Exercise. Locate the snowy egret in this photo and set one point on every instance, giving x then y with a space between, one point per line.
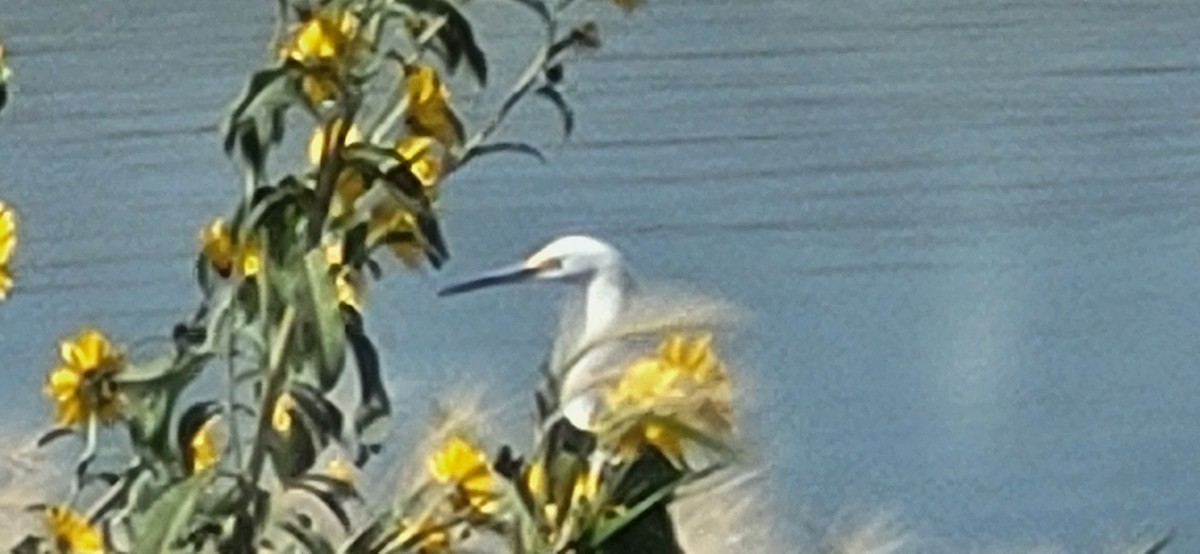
597 272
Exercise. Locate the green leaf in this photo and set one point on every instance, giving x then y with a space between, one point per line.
435 243
456 36
322 416
293 453
324 318
498 147
568 115
279 213
255 122
151 389
354 245
54 434
168 518
648 485
374 408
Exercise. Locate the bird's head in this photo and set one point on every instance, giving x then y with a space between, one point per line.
570 258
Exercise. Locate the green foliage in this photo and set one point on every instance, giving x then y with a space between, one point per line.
283 283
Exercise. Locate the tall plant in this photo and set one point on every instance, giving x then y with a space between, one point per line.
211 467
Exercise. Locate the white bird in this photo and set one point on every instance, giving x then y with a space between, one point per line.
603 291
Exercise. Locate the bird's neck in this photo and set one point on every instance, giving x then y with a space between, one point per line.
604 301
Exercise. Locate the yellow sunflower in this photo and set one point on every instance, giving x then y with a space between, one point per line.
218 247
329 42
459 464
685 384
70 532
8 243
84 385
429 111
390 216
424 154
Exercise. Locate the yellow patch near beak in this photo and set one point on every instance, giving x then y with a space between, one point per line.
543 264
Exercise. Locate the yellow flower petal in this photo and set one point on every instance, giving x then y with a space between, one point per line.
327 36
535 480
250 260
84 385
281 415
341 470
8 233
460 464
92 348
216 245
205 450
63 381
5 282
71 533
426 162
429 110
317 142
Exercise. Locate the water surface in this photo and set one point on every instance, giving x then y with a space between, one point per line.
965 231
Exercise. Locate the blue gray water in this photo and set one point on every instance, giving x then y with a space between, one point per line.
966 232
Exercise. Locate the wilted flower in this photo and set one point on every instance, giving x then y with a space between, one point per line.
85 386
684 386
205 451
459 464
330 42
8 243
70 532
218 247
429 110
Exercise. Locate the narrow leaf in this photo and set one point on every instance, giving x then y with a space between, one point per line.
53 435
165 520
568 115
325 319
498 147
374 407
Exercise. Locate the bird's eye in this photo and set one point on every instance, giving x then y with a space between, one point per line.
550 264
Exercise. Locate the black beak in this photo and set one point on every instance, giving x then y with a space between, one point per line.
497 277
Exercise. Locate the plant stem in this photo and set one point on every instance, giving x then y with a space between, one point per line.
526 81
276 377
235 437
